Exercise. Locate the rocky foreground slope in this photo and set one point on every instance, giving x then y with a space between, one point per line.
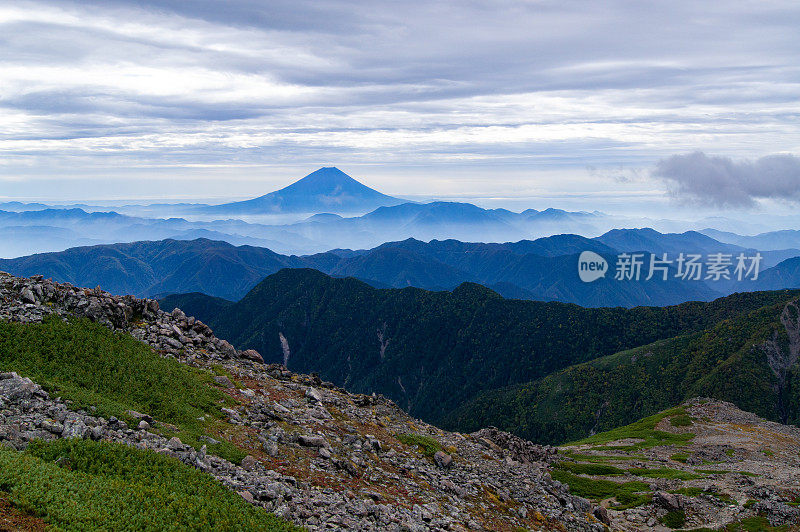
317 455
705 464
329 459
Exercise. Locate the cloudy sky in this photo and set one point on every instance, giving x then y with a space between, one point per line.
609 105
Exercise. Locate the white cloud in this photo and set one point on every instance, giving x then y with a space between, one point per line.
540 84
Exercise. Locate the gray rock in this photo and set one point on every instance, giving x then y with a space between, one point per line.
666 500
313 394
224 381
251 354
249 463
26 295
311 441
442 459
227 350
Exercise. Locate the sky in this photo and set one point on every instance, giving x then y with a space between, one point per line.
616 105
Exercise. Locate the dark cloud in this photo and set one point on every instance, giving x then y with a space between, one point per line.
723 182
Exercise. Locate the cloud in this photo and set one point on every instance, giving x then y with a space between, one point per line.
91 85
723 182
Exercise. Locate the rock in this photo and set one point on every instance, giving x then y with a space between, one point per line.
74 428
175 444
279 408
602 515
442 459
143 425
311 441
251 354
26 295
325 453
224 381
52 426
271 448
666 500
15 388
519 449
172 342
227 350
138 415
247 496
249 463
312 393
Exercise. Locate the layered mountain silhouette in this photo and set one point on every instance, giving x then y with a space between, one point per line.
543 269
327 190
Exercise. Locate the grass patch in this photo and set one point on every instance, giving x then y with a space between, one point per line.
680 457
86 485
716 471
427 445
643 430
627 494
681 420
690 491
751 524
92 366
674 519
693 491
590 469
595 458
664 472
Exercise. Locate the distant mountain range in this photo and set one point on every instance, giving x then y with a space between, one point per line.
436 220
543 269
449 356
787 238
329 209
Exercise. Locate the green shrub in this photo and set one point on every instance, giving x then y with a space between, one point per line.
755 524
674 519
590 469
664 472
86 485
628 494
682 420
90 365
427 445
644 430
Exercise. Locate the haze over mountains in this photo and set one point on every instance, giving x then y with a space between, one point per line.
327 209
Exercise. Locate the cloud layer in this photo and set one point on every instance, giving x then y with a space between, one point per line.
150 86
723 182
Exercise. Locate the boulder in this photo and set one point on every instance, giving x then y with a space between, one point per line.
442 459
311 441
251 354
666 500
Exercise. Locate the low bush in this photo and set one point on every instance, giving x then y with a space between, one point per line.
92 366
427 445
85 485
